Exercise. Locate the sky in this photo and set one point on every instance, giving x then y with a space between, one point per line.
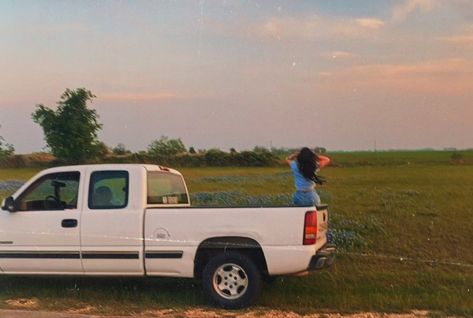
342 74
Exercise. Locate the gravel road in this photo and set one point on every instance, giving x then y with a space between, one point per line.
201 313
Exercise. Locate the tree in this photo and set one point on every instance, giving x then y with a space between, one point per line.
260 149
120 150
164 148
71 130
320 150
102 150
192 150
5 148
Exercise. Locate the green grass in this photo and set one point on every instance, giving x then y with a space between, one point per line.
413 224
17 174
406 157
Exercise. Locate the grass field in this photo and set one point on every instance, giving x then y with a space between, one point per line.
403 226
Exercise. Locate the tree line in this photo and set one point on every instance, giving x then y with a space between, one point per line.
71 135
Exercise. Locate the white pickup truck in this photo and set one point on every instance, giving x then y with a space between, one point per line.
136 220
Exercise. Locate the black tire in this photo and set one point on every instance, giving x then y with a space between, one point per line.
231 280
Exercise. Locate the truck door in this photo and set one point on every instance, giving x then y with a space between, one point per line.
42 236
112 223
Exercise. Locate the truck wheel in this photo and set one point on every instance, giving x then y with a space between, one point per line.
231 280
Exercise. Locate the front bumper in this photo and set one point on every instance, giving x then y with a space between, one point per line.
323 258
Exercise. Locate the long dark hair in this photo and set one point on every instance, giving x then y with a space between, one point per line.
308 163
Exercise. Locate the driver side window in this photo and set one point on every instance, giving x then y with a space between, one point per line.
55 191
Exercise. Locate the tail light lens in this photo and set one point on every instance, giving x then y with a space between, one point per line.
310 228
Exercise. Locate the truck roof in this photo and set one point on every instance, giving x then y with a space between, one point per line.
111 166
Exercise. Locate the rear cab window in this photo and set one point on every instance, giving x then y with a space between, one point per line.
166 188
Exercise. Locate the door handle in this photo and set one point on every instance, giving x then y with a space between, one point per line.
69 223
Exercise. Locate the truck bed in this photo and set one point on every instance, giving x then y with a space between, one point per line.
180 230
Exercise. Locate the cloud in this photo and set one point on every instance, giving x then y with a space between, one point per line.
338 55
462 8
461 39
465 38
325 74
402 11
50 29
447 77
314 27
370 23
136 97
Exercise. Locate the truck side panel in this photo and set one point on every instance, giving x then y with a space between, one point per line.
176 233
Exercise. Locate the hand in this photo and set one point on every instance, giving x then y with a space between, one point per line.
292 156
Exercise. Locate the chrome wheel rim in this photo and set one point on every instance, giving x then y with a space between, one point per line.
230 281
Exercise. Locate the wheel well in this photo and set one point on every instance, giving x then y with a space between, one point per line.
213 246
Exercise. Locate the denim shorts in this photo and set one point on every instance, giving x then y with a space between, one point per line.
305 198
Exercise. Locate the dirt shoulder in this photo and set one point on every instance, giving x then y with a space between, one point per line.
201 313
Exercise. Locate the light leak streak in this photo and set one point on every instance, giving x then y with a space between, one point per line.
195 243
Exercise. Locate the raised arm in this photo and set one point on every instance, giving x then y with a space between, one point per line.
291 157
323 161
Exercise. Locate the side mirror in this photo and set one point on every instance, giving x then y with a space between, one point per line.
9 205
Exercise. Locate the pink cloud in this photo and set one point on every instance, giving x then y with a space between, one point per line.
448 77
465 38
136 97
403 10
338 55
312 27
54 29
370 23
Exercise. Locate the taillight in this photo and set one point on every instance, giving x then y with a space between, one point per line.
310 228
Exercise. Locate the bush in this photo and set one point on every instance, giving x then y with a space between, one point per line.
189 160
217 157
254 159
120 150
210 158
34 160
457 158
